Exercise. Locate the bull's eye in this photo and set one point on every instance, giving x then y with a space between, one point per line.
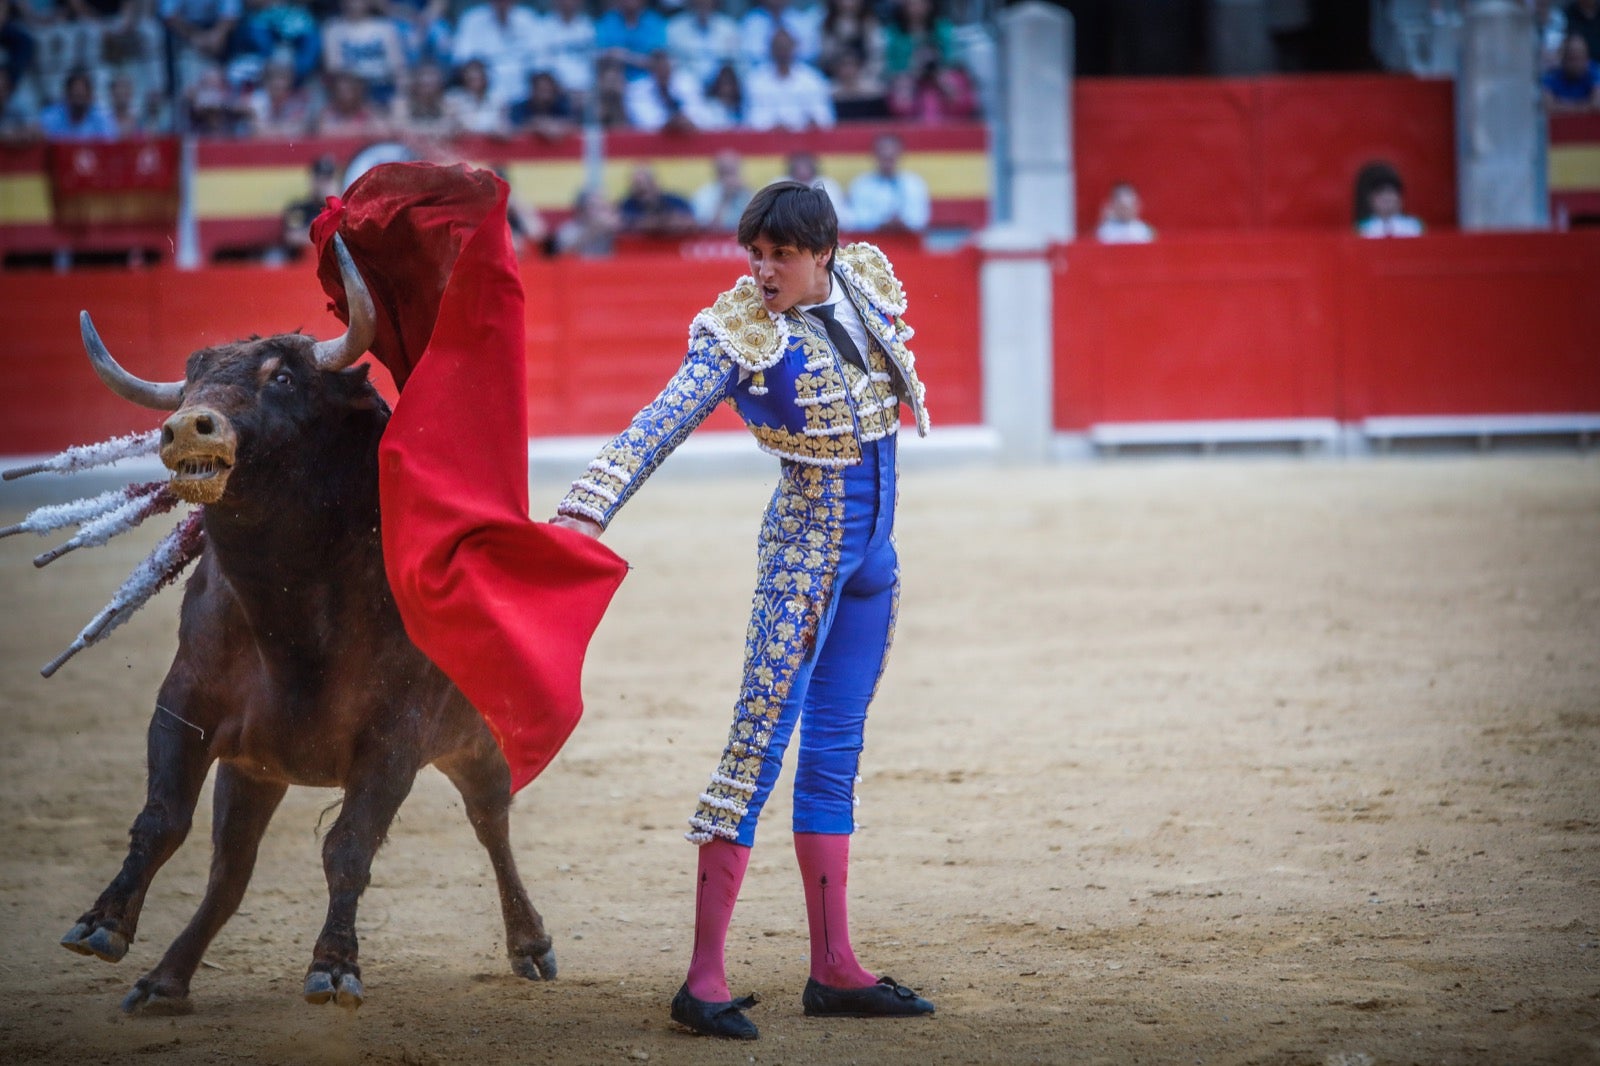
283 377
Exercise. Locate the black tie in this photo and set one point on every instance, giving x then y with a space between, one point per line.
839 335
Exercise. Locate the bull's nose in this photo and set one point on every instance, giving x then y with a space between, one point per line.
195 426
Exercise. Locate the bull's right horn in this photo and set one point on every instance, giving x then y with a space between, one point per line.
340 352
163 396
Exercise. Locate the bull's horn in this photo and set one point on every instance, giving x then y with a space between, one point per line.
163 396
342 351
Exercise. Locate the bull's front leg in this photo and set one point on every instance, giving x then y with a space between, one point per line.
371 798
481 774
178 757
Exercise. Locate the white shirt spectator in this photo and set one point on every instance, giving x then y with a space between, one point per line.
702 49
647 110
803 24
877 201
798 100
1133 231
568 50
508 51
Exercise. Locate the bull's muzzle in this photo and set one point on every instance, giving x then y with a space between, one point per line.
198 444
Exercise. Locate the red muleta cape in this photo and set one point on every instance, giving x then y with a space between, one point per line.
503 605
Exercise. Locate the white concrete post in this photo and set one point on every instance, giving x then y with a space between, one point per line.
1500 127
1034 141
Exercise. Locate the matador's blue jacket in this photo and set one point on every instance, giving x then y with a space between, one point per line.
799 399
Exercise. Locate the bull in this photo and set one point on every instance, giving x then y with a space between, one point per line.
293 667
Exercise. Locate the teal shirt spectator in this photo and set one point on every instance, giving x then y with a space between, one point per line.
632 42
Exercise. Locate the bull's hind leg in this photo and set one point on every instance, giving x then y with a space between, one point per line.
241 809
485 784
372 796
178 759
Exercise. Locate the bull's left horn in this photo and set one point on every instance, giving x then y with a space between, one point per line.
342 351
161 395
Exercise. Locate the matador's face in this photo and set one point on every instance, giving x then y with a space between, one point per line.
787 275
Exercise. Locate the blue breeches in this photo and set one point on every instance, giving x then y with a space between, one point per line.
820 630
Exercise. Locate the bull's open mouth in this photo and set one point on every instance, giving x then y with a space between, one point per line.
199 469
200 479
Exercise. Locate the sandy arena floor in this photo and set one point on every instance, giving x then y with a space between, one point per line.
1177 762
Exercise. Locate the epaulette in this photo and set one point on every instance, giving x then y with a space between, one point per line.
867 268
753 336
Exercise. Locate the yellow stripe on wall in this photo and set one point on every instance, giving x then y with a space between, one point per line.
24 200
1575 167
950 175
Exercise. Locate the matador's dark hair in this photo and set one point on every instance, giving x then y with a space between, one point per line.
790 212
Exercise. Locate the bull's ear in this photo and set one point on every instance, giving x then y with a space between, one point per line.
358 393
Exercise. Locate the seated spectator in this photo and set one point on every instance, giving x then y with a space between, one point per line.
631 33
916 34
802 166
761 21
667 99
198 32
278 109
857 96
610 94
1574 85
504 36
936 94
422 108
592 229
347 112
547 112
213 106
787 93
722 106
1549 30
1119 218
569 50
851 29
887 198
1382 211
134 117
702 39
77 117
280 31
651 211
424 27
295 236
471 107
1583 19
18 124
133 43
719 203
69 39
359 41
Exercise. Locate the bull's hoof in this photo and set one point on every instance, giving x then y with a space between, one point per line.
73 941
542 968
350 994
102 943
146 998
319 987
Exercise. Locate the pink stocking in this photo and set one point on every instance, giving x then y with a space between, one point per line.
722 866
824 862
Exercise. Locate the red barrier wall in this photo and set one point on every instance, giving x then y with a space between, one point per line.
603 336
1326 326
1261 153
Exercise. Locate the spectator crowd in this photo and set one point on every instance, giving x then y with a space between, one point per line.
283 69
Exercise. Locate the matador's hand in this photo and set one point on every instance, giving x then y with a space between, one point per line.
587 527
